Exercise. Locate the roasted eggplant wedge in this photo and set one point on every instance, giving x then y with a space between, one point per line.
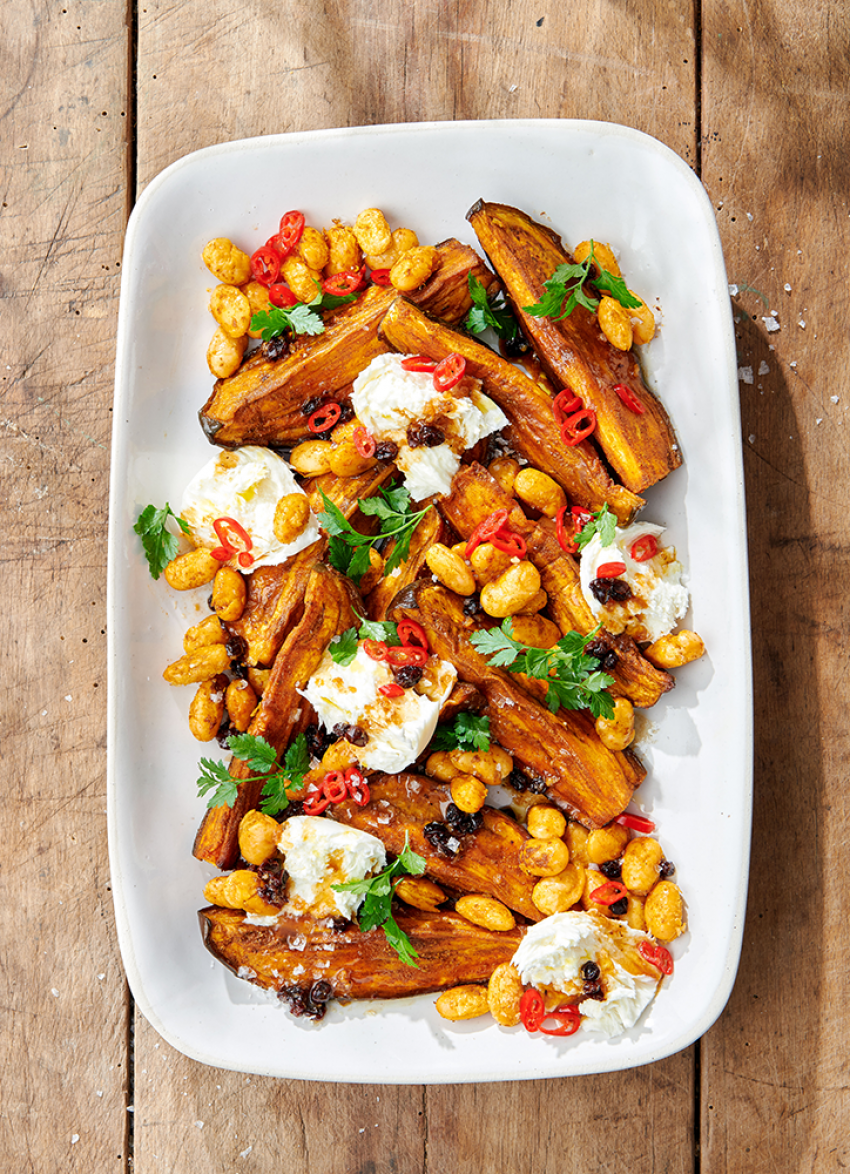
593 784
640 447
577 469
329 605
275 594
484 861
476 494
356 965
261 403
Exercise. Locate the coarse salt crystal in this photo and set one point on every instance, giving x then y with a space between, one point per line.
745 374
749 216
787 287
75 1137
834 399
763 368
770 323
802 323
752 438
733 291
819 420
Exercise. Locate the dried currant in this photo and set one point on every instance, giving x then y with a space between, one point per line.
422 435
605 590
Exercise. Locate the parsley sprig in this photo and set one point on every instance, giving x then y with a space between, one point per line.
573 679
343 648
565 291
159 544
492 312
466 732
260 756
603 523
377 892
349 549
302 318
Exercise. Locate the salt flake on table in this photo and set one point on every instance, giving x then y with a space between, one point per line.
787 287
763 368
793 363
752 438
733 291
819 420
245 1153
802 323
199 1124
54 992
745 374
770 323
834 399
75 1137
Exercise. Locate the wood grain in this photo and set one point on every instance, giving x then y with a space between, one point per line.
775 1093
764 87
63 160
343 66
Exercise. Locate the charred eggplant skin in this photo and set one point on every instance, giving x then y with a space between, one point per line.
641 448
589 781
533 429
330 602
357 965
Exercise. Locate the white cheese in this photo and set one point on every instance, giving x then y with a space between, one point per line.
318 854
245 485
387 398
399 728
659 598
553 952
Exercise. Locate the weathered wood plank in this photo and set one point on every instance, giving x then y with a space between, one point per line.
775 1093
63 172
344 65
350 64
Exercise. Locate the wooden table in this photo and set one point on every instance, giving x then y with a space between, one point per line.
97 98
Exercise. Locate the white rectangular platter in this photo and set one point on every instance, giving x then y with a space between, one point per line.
585 179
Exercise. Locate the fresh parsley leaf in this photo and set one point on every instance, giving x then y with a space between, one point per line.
359 564
216 777
565 290
392 508
617 288
573 679
258 755
343 648
493 313
379 630
300 318
377 892
159 544
254 751
603 523
399 941
339 554
466 732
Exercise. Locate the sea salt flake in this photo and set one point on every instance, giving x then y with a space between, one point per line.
745 374
749 216
802 323
245 1153
770 323
793 364
54 992
733 291
833 399
199 1124
819 420
763 368
752 438
787 287
75 1137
